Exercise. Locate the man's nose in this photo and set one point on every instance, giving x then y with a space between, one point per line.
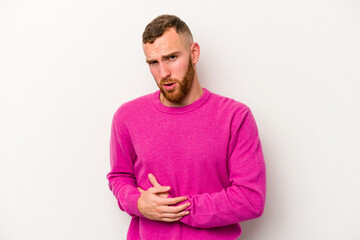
164 71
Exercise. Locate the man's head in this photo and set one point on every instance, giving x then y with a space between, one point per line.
171 55
161 24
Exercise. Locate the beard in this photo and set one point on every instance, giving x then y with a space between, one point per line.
177 94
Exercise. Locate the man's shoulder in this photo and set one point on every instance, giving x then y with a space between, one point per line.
231 110
228 103
135 106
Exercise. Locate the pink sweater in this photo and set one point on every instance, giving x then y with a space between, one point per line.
209 151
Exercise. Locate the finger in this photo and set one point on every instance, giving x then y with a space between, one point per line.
175 215
163 195
153 180
170 219
172 201
140 190
162 189
175 209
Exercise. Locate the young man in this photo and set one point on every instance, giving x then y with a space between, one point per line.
186 163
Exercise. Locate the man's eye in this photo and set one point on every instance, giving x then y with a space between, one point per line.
170 58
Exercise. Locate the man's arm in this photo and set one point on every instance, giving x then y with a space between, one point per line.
123 184
122 181
244 199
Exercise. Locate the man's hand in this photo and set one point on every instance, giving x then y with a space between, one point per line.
155 183
154 204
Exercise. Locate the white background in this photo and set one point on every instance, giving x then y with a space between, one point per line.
66 66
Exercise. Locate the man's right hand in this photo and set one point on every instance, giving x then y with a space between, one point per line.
157 208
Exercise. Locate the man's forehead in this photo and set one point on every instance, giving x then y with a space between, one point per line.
168 43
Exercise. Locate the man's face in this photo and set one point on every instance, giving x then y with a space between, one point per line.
170 64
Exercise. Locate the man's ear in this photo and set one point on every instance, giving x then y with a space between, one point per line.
195 52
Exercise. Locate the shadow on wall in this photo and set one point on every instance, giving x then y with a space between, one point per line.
250 230
254 229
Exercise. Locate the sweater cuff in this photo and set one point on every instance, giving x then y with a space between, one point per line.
132 207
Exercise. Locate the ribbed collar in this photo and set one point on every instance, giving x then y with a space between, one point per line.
180 110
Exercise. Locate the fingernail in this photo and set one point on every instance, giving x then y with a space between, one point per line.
188 204
150 175
187 212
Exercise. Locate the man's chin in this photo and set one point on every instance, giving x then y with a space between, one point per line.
173 96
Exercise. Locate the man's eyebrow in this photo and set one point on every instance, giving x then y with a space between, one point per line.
171 54
148 61
165 56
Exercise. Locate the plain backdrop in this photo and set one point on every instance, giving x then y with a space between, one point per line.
66 66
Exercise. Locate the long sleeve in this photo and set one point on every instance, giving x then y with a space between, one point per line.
244 199
122 181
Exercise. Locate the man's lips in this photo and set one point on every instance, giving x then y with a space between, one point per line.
169 86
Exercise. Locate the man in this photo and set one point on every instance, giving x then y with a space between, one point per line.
186 163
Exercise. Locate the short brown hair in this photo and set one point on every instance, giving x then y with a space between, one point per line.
162 23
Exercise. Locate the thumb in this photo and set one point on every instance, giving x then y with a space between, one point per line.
153 180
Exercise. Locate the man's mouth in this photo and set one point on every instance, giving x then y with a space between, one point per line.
169 84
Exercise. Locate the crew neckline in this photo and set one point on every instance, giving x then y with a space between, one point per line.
179 110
